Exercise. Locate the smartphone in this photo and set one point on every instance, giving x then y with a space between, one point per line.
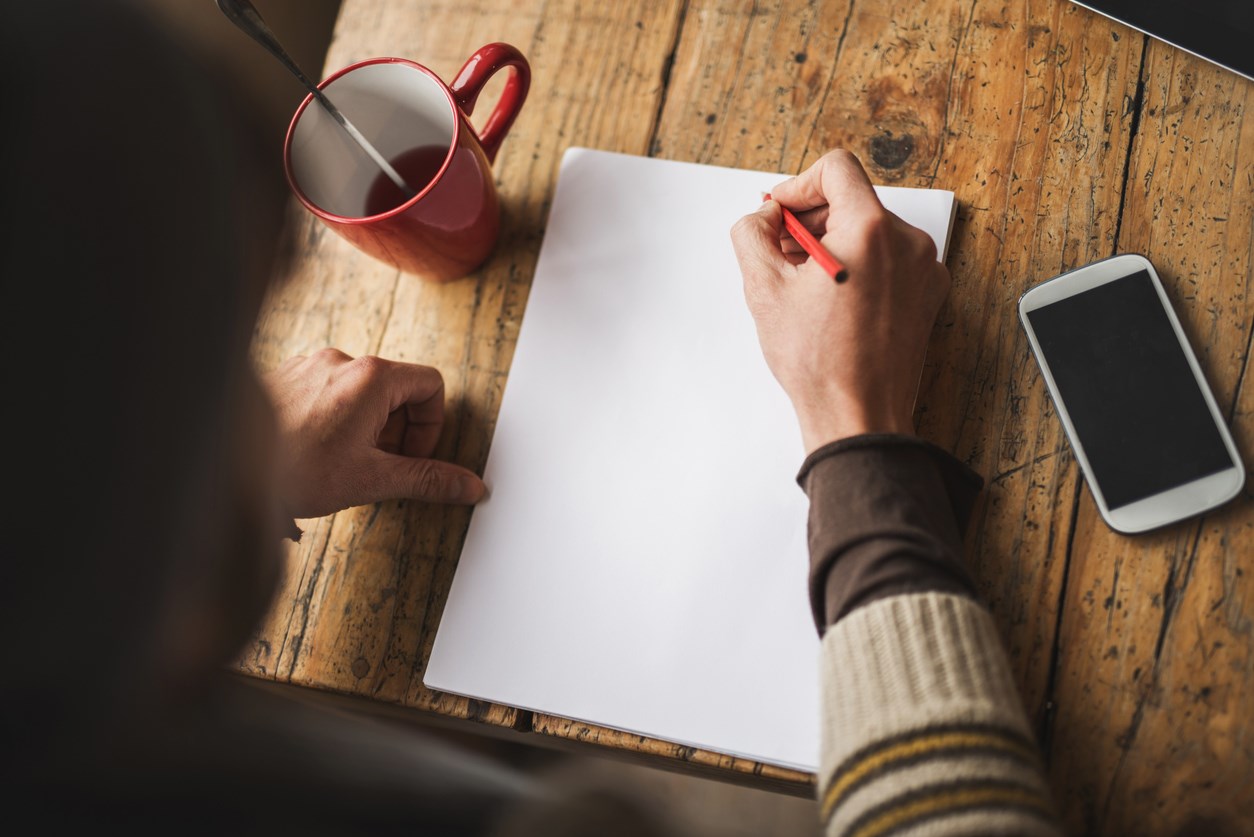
1144 425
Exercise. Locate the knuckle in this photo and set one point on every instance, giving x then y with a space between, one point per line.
427 379
364 373
369 367
837 158
331 355
435 376
877 228
874 238
926 246
429 482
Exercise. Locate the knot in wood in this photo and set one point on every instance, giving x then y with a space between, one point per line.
891 152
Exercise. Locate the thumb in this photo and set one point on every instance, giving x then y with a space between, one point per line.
430 480
756 240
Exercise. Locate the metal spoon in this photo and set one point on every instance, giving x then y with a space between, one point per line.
244 15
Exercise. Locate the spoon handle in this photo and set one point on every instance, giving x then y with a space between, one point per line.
244 15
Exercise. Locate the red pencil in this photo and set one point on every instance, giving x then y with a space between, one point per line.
830 264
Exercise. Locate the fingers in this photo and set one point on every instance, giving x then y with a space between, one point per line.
415 395
422 433
756 240
814 220
392 436
835 179
408 433
361 430
429 480
418 388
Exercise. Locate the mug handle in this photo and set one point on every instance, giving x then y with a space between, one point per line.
475 73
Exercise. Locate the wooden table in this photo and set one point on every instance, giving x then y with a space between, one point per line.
1066 137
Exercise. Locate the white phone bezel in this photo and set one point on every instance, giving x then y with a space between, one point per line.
1176 503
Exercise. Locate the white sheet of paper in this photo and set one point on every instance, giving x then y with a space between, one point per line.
641 561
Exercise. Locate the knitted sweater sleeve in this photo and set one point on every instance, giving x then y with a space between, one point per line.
923 729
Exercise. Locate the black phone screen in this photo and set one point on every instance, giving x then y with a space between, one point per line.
1218 30
1128 388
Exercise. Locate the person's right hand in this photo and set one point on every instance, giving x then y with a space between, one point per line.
849 355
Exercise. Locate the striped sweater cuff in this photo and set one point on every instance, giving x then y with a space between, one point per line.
923 728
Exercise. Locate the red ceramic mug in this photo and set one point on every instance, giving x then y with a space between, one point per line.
420 125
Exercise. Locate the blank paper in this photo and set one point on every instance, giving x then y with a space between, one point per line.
641 560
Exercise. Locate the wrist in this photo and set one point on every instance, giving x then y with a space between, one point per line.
826 423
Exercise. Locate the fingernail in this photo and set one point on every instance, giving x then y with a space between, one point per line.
471 489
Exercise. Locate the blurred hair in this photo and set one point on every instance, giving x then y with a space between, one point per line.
141 216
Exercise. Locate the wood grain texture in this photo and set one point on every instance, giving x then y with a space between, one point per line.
747 86
1066 137
678 756
1155 727
364 591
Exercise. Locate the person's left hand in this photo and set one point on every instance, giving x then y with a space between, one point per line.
356 431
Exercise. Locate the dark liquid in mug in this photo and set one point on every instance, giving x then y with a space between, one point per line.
417 167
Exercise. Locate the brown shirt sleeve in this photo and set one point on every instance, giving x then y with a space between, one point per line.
887 516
